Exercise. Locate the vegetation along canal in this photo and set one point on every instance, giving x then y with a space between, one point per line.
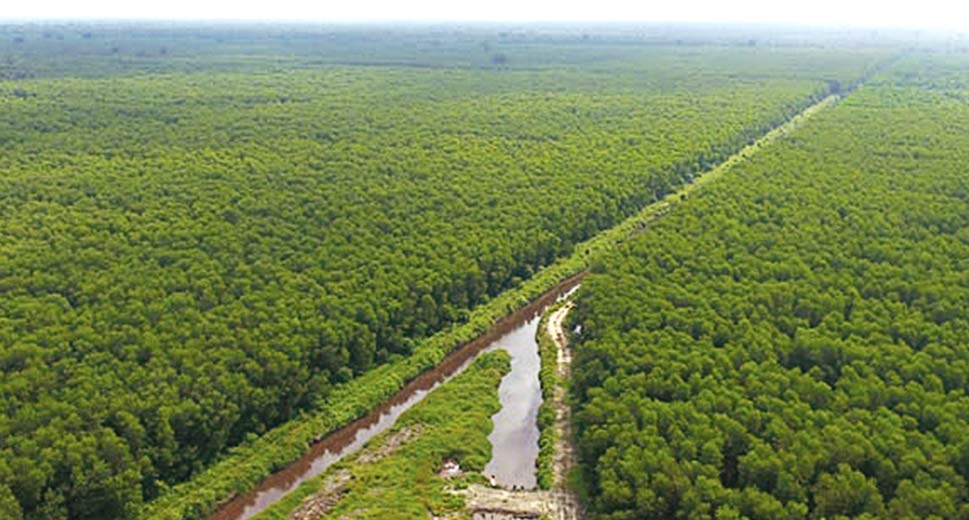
515 333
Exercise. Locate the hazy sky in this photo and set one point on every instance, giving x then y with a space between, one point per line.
927 13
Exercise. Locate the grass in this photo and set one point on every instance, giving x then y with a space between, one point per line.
453 422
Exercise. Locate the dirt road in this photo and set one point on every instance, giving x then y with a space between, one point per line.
564 459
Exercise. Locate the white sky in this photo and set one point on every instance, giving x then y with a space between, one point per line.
953 14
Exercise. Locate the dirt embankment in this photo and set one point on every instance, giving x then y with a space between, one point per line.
564 459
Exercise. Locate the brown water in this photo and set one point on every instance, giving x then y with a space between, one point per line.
352 437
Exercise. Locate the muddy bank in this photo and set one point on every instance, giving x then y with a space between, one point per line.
349 439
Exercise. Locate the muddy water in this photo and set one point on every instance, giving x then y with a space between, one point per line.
352 437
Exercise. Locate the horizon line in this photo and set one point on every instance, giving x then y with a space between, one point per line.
485 22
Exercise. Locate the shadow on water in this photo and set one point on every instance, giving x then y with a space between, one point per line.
347 440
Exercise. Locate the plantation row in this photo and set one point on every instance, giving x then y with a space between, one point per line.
189 260
793 343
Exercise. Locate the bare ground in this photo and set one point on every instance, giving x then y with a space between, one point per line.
486 503
389 445
335 485
321 502
564 459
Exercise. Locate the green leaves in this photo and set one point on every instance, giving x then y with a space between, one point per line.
790 332
227 239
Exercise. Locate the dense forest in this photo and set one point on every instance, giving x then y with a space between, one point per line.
200 237
794 343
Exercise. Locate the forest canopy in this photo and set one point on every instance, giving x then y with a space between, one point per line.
793 342
203 230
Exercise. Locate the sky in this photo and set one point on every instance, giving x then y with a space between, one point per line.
951 14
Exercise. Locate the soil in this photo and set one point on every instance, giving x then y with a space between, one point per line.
320 503
564 458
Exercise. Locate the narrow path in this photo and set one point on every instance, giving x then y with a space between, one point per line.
567 506
564 458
